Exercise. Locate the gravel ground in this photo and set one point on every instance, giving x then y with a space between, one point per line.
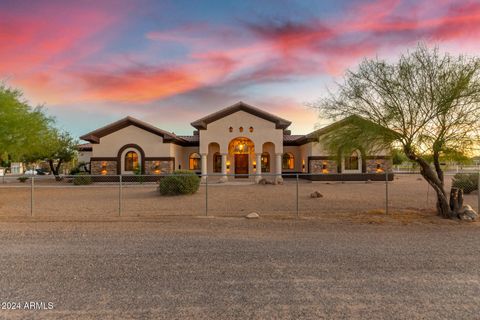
232 268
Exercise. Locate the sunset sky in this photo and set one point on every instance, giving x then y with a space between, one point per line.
171 62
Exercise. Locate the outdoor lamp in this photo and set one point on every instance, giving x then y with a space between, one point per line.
254 165
104 168
228 165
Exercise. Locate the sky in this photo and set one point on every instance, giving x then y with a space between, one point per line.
172 62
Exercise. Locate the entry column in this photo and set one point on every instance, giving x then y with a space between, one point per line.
204 167
258 164
278 168
224 177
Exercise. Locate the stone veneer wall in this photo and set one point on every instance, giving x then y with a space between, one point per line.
371 164
96 167
317 165
166 166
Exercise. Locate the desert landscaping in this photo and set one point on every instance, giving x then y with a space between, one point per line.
408 193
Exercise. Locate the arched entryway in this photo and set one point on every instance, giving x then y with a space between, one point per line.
241 151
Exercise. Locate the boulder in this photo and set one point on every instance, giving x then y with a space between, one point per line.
467 214
262 181
252 215
316 194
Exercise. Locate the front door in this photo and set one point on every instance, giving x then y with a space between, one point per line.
241 164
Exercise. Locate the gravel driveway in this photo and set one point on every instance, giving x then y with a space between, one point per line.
231 268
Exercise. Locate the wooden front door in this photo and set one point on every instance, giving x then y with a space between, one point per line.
241 164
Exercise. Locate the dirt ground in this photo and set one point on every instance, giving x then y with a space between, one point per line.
234 268
407 193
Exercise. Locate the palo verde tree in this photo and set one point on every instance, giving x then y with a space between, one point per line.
427 103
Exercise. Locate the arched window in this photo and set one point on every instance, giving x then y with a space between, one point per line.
250 129
352 162
240 129
230 129
288 161
131 161
265 162
217 162
194 161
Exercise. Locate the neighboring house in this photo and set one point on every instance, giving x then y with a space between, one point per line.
240 139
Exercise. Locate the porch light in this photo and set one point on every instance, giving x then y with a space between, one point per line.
157 168
228 165
324 168
104 168
303 165
379 168
254 165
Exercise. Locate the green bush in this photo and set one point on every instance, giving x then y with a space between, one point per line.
82 179
466 181
74 171
22 179
180 182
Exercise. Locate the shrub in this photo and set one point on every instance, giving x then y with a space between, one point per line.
180 182
82 179
466 181
74 171
22 179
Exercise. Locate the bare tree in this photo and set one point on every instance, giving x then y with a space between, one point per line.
427 103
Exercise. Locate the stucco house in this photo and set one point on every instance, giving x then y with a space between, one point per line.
240 139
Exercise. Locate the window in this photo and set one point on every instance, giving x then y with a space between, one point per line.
288 161
265 162
352 162
217 162
194 161
230 129
240 129
131 161
250 129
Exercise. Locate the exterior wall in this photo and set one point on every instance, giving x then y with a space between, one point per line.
297 154
165 166
371 164
96 167
84 156
316 166
263 131
151 143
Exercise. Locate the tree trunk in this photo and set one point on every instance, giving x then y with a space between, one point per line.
431 176
55 168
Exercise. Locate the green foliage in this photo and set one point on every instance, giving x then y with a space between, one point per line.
138 173
82 179
21 126
398 156
466 181
180 182
23 179
74 171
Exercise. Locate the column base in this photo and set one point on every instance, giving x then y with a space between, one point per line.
278 180
203 180
223 179
258 178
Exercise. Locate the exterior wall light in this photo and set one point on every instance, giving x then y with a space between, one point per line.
104 168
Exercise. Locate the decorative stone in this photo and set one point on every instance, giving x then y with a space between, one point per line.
252 215
316 194
467 214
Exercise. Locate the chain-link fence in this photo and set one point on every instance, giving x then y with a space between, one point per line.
84 196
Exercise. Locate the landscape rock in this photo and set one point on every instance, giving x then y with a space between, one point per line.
467 214
252 215
316 194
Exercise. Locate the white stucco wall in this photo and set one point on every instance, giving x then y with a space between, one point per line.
263 131
151 144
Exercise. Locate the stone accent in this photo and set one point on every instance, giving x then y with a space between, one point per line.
165 166
316 166
371 165
96 167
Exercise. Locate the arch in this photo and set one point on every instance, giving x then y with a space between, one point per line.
194 161
268 151
266 164
352 162
241 145
241 152
120 158
288 161
217 162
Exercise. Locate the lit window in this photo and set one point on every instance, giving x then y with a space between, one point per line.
352 162
288 161
241 129
194 161
217 162
250 129
265 162
131 161
230 129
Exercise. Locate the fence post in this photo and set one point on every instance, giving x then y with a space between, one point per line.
120 195
478 193
32 186
298 213
386 191
206 195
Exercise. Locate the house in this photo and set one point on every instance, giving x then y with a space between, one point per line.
240 139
